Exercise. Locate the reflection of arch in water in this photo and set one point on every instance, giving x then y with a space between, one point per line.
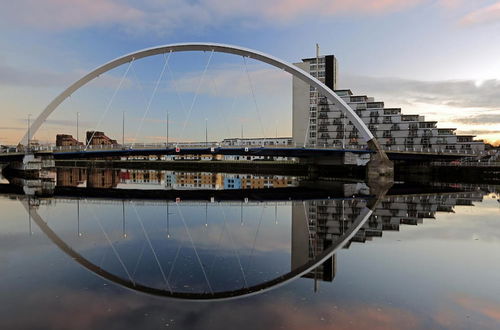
223 295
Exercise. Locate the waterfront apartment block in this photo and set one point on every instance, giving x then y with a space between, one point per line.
316 122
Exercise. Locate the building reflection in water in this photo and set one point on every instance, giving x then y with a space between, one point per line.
91 178
329 219
112 178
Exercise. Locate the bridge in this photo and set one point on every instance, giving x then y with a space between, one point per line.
380 163
289 151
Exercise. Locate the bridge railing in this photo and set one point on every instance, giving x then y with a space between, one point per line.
141 146
201 145
467 164
437 150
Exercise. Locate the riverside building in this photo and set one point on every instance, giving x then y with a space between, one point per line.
318 123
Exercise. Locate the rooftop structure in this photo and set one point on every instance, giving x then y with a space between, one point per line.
64 140
99 138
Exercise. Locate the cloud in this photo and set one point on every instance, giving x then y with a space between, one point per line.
7 128
165 17
233 82
477 132
486 119
63 14
453 93
484 15
10 76
485 313
58 307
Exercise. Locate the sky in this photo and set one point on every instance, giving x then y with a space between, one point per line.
439 58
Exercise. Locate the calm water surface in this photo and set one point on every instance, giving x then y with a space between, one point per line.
420 260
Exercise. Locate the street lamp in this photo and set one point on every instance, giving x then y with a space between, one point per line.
206 131
29 132
123 129
167 129
77 126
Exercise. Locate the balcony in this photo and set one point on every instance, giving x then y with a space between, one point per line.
395 127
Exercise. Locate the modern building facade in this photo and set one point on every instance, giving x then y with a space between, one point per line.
316 122
305 98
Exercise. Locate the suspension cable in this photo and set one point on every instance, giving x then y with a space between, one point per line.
112 246
250 259
109 103
139 259
176 87
224 119
233 246
255 100
150 101
193 102
152 248
194 248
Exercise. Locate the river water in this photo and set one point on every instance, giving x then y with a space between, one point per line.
154 249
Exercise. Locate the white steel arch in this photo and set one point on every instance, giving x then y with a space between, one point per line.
219 48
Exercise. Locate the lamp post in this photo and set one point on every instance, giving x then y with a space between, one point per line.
29 133
206 132
124 232
167 128
77 126
123 129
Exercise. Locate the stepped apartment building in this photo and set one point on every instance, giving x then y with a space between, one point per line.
318 123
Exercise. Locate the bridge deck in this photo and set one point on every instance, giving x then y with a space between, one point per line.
294 152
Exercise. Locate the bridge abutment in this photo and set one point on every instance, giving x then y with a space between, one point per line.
379 165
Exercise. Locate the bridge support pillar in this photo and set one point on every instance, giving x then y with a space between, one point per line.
379 165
